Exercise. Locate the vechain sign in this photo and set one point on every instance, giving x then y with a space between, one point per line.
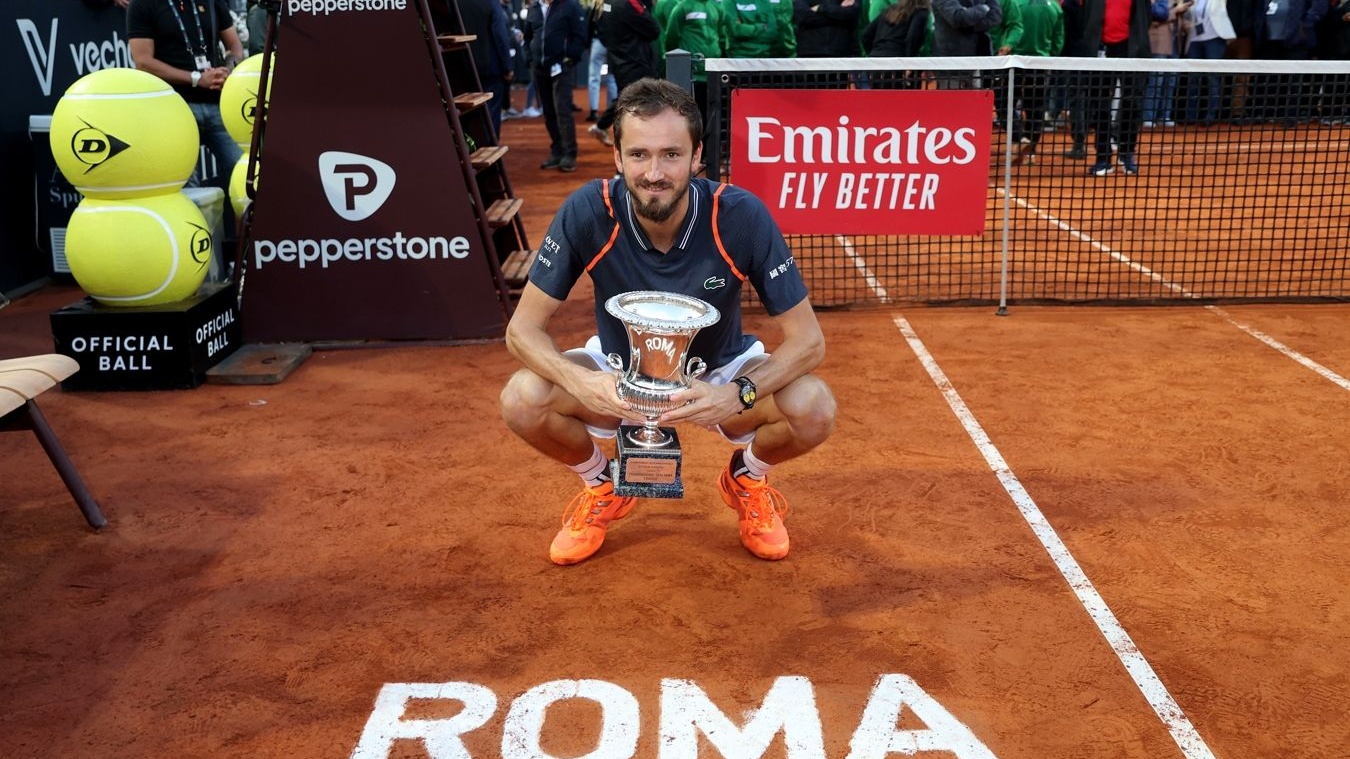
865 162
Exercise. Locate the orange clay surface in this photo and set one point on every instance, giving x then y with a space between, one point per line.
278 556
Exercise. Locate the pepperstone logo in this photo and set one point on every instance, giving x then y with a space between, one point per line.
355 185
325 7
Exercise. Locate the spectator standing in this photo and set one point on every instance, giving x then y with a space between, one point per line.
785 44
754 28
179 42
961 28
491 48
1164 43
1082 39
598 76
1124 34
556 34
702 28
629 31
825 28
1208 32
1043 36
898 32
1002 39
1286 31
1335 40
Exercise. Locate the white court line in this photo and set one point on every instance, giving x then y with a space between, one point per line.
861 265
1141 672
1322 371
1282 348
1115 254
1173 718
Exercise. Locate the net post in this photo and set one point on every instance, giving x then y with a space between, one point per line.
680 69
1010 108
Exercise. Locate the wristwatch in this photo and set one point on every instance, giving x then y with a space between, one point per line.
195 76
747 393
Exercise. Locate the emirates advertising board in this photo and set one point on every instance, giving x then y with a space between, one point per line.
882 162
363 225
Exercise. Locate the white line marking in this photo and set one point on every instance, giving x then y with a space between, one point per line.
1117 255
861 265
1322 371
1173 718
1282 348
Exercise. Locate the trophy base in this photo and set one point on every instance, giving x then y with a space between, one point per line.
645 471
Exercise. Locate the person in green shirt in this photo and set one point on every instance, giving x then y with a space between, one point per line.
1002 39
701 27
1042 35
785 46
755 29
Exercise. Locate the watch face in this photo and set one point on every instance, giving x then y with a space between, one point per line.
747 394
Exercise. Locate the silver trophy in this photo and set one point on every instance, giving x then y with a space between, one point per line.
660 326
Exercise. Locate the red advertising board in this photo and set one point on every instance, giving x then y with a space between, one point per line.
886 162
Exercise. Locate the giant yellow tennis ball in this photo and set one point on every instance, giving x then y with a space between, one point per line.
139 252
239 199
123 133
239 102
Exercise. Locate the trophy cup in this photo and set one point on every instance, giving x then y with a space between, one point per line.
660 328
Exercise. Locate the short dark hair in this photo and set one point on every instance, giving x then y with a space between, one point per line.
647 97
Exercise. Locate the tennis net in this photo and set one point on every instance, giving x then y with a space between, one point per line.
1222 181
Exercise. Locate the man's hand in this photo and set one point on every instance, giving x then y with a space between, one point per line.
213 79
706 405
599 392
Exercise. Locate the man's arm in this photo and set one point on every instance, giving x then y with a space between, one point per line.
143 55
528 340
801 350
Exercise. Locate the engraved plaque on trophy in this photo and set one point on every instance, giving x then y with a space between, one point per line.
660 326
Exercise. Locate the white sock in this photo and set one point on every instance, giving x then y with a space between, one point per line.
754 468
595 470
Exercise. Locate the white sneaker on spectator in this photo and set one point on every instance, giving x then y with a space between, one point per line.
531 113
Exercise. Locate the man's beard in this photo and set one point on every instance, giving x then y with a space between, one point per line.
654 209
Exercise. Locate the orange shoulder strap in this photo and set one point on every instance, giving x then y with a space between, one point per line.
614 234
717 234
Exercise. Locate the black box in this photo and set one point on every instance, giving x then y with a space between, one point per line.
151 347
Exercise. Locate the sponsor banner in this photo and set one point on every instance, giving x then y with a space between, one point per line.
363 225
886 162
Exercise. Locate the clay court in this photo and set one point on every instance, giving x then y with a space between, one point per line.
1065 533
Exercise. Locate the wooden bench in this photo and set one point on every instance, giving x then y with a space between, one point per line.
22 380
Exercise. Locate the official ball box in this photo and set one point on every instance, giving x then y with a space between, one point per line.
163 347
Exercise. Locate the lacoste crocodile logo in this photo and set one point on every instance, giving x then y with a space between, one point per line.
713 283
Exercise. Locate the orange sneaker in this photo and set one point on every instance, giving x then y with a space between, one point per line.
585 521
762 509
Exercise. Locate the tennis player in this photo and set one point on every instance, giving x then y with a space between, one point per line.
660 228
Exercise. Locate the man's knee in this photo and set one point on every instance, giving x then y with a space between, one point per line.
810 408
524 399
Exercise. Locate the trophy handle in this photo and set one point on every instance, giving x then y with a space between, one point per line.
615 361
696 367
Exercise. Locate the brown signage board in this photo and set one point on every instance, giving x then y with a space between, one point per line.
363 224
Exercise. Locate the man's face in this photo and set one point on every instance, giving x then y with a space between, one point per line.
657 158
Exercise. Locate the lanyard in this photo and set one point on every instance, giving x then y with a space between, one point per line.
201 38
